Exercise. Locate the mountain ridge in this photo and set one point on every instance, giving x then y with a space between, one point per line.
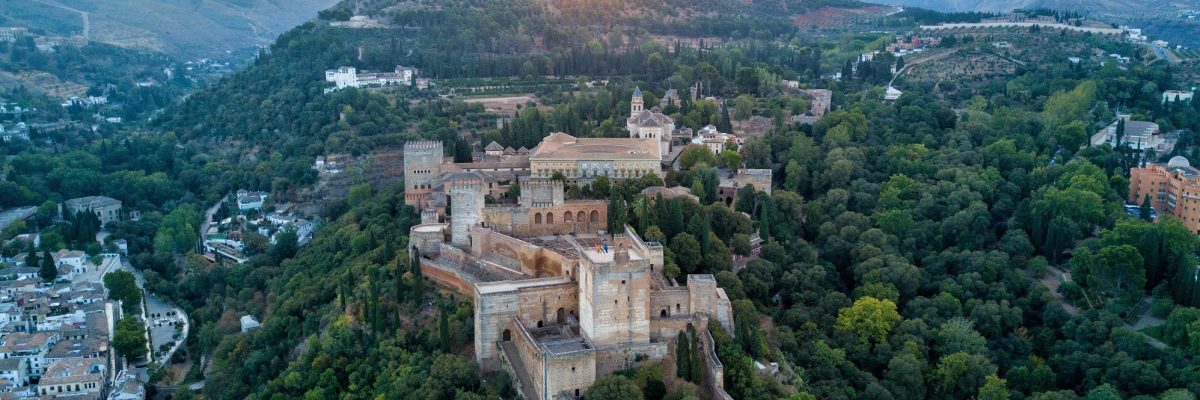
185 28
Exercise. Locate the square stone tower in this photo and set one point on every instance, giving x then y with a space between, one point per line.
422 169
466 205
614 295
541 193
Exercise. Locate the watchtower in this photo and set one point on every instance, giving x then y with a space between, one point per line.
541 193
422 168
466 205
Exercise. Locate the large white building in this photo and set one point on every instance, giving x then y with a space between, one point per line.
1172 96
1138 135
715 141
345 77
649 124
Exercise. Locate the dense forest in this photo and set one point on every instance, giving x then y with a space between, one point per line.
907 244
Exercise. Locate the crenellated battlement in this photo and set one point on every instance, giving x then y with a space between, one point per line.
422 144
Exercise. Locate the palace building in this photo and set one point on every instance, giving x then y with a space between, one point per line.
589 158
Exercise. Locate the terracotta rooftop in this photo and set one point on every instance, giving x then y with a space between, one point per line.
561 146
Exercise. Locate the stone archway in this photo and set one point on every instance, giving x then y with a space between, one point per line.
537 218
561 316
550 218
506 336
595 217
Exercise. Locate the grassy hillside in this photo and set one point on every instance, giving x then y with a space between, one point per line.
186 28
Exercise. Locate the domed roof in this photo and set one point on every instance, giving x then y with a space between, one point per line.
1179 161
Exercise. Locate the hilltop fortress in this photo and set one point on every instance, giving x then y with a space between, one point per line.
560 297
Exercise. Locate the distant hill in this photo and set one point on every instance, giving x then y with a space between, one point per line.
185 28
1159 19
1009 5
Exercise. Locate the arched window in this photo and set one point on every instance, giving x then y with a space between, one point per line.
537 218
595 218
568 217
549 218
579 216
662 313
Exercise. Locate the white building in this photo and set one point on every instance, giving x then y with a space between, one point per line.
30 346
715 141
1172 96
249 323
345 77
14 373
85 102
1138 135
892 94
248 201
10 34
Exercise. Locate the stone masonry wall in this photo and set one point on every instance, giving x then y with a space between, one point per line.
611 359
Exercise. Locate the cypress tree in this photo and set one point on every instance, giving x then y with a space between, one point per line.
1144 211
31 258
673 223
402 264
418 278
683 357
697 367
764 221
444 329
48 272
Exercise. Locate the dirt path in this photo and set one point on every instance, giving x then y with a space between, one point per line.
1052 281
87 23
1054 278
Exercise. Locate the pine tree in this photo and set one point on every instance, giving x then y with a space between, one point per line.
48 272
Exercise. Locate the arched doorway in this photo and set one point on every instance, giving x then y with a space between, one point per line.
549 218
662 313
561 316
568 218
506 336
537 218
539 323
